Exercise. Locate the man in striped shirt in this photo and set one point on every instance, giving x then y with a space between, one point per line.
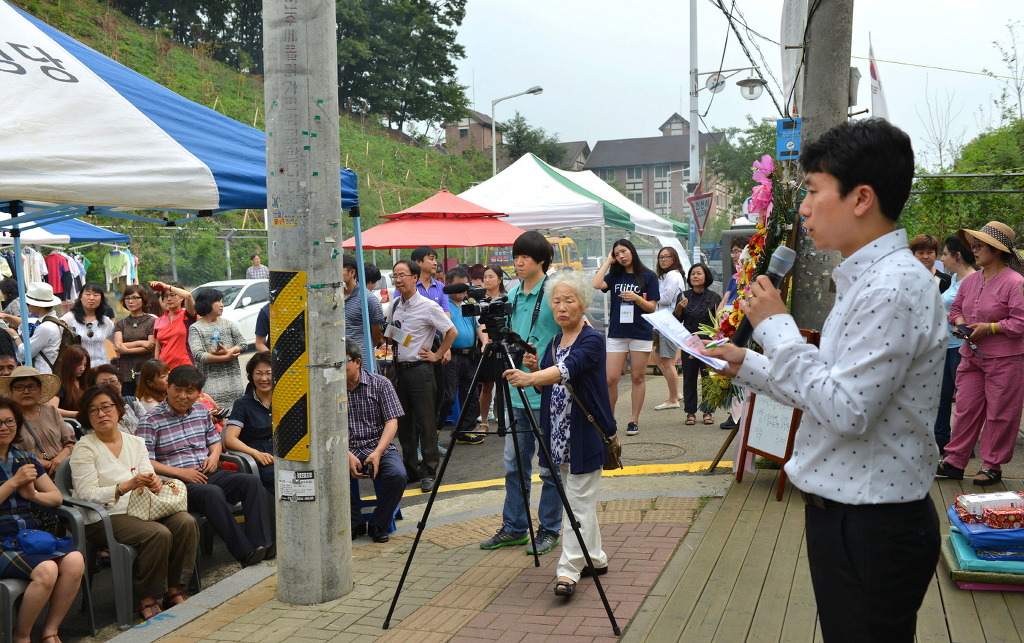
184 444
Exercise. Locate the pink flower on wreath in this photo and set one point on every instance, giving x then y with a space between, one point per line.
761 201
763 168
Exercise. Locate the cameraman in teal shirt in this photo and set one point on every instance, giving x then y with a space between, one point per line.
532 320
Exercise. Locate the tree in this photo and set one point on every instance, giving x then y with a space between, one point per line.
941 213
396 59
732 158
519 138
1011 102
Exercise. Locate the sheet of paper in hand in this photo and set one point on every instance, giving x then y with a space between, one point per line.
672 328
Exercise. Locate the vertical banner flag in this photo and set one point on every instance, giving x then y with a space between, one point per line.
878 107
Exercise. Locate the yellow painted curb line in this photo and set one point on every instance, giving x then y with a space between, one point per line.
643 469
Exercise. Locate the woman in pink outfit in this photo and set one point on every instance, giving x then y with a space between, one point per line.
990 303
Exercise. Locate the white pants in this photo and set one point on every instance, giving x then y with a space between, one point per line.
581 490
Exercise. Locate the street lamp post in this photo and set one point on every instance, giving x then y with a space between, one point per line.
536 89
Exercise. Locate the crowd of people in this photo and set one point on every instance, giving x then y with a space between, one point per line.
175 398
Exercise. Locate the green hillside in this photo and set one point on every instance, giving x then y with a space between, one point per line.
392 175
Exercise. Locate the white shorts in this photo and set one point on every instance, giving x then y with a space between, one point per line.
625 345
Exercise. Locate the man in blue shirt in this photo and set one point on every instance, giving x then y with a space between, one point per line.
532 320
459 372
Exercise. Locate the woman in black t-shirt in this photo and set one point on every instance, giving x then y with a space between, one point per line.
250 427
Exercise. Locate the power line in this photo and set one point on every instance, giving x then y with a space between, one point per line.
721 63
743 20
959 71
746 51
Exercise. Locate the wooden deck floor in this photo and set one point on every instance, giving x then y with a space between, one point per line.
741 575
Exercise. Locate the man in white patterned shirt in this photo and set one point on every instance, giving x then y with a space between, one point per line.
864 457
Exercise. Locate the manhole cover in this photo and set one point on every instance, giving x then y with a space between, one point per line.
651 451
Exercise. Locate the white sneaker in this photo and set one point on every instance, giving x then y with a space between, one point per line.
667 405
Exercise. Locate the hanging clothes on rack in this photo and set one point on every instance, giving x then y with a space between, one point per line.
57 267
116 270
33 265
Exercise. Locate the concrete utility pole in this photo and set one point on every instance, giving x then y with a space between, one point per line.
307 311
826 96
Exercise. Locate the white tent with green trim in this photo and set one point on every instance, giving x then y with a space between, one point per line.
536 196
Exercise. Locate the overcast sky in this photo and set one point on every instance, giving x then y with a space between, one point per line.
618 69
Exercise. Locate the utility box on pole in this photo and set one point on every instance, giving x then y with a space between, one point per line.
307 308
826 93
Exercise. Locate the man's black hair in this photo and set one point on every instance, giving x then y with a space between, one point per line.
254 255
535 246
205 299
186 376
348 262
372 273
739 242
870 152
414 268
352 349
419 254
4 356
456 273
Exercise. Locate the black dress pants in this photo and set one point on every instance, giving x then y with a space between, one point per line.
418 427
871 566
215 499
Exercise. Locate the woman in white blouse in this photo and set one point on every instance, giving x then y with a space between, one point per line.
107 466
670 273
88 318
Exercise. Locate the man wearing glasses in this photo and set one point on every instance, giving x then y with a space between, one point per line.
417 320
532 320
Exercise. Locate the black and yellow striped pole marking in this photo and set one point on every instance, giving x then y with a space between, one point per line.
288 303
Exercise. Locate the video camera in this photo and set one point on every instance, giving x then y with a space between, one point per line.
493 313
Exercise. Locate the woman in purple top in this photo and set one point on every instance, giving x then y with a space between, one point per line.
989 395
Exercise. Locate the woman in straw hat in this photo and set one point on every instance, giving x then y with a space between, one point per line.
44 432
989 395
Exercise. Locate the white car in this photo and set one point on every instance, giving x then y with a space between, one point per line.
243 299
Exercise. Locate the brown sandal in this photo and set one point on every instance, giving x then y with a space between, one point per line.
709 419
169 599
155 610
691 419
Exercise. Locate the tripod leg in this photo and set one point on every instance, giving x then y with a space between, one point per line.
569 514
514 435
421 525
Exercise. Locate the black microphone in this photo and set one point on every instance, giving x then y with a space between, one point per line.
779 266
455 289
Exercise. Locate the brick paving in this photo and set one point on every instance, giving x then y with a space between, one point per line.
457 592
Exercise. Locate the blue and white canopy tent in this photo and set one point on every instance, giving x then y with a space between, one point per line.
85 132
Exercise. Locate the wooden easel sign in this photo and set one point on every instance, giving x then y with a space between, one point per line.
771 428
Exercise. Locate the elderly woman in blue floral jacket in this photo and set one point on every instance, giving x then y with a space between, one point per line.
575 359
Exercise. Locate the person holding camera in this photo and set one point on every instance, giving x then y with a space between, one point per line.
532 320
458 373
417 320
373 412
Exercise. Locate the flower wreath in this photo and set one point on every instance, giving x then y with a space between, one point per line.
772 201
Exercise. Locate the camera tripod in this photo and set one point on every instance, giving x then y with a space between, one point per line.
499 349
